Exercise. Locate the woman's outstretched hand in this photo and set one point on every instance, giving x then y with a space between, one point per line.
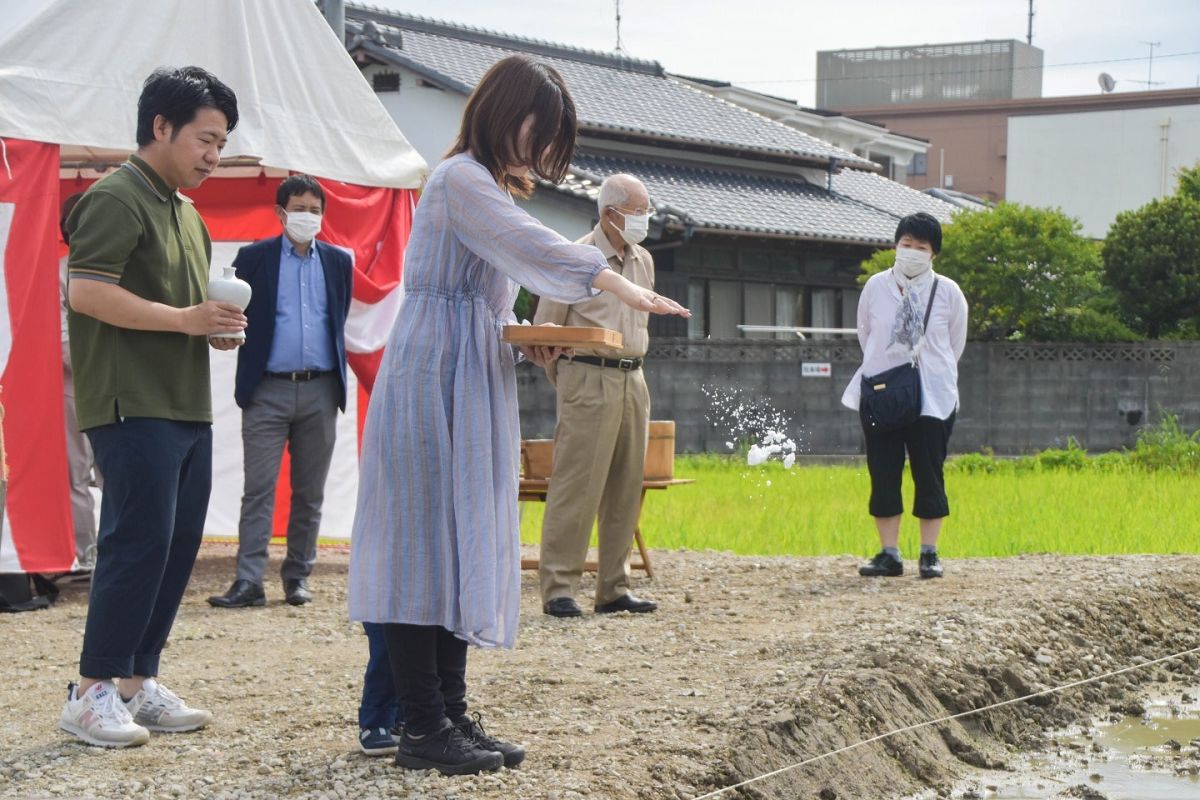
637 297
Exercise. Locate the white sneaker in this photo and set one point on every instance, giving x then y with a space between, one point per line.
157 708
100 718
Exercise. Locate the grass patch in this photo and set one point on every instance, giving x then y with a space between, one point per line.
1062 501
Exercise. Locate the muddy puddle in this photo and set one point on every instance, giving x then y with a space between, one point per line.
1152 757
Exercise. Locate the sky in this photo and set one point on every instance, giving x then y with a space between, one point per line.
770 45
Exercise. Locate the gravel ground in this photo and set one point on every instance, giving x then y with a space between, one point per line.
750 665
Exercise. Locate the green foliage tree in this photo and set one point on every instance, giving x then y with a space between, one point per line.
523 306
1189 182
1152 260
1027 273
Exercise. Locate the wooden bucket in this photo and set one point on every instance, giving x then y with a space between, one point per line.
537 457
660 451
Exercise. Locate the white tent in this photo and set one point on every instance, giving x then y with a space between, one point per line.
71 72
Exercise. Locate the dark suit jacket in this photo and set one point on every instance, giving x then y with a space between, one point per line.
258 265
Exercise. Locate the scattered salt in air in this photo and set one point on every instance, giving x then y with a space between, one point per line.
757 455
746 417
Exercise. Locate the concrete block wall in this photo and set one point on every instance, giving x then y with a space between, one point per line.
1015 398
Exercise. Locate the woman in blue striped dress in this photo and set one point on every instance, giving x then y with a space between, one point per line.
435 555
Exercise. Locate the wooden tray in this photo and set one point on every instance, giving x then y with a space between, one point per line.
562 336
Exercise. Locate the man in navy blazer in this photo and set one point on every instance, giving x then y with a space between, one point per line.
291 382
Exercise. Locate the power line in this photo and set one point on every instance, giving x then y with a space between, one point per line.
981 71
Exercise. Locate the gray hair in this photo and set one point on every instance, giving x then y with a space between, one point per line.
617 189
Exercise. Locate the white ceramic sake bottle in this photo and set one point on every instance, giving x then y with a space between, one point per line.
229 288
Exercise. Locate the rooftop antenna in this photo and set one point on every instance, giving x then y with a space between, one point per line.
620 47
1150 82
1107 82
1029 35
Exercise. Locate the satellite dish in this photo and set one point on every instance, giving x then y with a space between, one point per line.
1107 84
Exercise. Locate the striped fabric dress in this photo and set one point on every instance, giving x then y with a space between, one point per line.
435 536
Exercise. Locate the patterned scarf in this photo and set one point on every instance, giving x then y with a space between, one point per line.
908 329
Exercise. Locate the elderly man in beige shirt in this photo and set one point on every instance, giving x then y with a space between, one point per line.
603 416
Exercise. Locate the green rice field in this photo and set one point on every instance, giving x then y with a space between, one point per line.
822 510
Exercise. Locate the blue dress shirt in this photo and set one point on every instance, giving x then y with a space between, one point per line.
303 339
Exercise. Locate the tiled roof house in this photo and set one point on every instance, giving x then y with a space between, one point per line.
758 222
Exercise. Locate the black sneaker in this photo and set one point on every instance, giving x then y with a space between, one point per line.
472 728
883 565
930 567
448 751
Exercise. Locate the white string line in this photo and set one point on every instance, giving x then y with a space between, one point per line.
940 720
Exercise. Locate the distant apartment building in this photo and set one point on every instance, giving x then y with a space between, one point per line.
928 73
1091 155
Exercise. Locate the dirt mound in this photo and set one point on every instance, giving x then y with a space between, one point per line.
751 665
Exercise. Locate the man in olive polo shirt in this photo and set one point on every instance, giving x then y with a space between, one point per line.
138 271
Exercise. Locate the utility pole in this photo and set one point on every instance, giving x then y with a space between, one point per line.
1029 35
620 48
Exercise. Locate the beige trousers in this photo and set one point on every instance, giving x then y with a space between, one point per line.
599 458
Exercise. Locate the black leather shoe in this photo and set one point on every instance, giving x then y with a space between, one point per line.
562 607
472 728
242 594
296 592
883 565
627 602
448 751
931 566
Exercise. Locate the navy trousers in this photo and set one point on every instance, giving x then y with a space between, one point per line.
157 478
380 708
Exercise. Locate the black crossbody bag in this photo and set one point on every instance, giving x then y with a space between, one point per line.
892 399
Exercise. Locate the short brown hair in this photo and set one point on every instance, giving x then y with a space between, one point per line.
512 89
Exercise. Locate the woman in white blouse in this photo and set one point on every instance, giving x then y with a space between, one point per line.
892 331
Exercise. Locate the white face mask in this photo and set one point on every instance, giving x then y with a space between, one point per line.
913 263
636 227
302 226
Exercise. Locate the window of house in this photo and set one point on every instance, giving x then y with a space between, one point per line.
696 304
821 267
720 259
689 257
885 162
724 309
850 308
789 309
919 165
759 305
785 263
385 81
824 310
758 261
